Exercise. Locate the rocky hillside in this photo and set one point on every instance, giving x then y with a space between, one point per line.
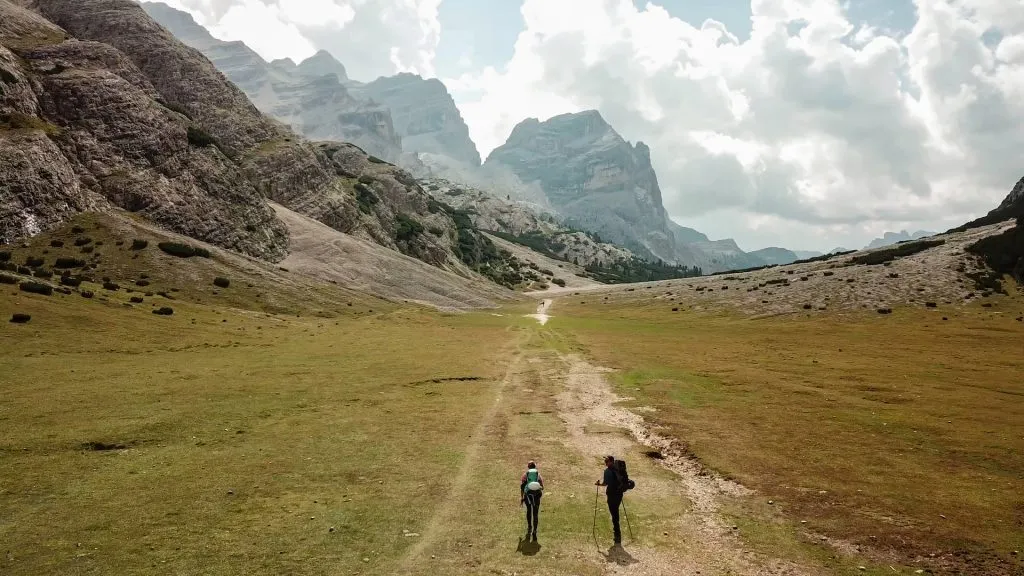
424 115
521 223
84 127
309 97
102 109
1004 253
594 178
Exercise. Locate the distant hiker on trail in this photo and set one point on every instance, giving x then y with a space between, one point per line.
614 491
531 488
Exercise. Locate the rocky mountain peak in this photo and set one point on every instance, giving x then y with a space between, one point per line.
322 64
180 23
594 178
284 64
424 114
1015 197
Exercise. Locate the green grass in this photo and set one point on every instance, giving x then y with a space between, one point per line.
311 423
261 415
16 121
911 426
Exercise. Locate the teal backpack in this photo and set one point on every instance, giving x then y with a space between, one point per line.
533 481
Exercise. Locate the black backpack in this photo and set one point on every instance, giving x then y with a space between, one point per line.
623 476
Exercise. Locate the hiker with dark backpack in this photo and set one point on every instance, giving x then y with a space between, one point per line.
531 488
616 481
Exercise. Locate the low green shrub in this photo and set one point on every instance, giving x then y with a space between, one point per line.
43 273
407 229
77 229
183 250
36 288
82 241
221 282
136 300
20 318
200 138
5 256
138 244
87 294
142 283
70 281
558 281
88 249
34 262
163 311
64 263
5 279
56 243
112 286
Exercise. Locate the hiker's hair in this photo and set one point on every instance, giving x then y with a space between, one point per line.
531 464
609 457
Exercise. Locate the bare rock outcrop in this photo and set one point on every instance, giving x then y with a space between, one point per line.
84 128
102 108
594 178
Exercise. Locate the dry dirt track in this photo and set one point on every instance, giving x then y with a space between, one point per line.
587 409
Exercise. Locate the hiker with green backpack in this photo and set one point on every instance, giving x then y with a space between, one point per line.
531 488
616 481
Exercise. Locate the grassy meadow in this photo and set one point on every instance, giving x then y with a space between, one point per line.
135 443
902 433
284 425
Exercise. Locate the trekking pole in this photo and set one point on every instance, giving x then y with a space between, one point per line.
597 495
626 514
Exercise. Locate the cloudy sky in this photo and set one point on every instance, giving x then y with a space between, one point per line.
808 124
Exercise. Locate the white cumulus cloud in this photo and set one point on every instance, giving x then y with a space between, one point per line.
815 130
371 37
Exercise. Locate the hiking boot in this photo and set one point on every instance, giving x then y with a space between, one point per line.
534 536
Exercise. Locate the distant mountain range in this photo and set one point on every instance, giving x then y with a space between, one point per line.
575 165
890 238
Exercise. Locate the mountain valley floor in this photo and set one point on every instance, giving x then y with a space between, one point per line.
222 440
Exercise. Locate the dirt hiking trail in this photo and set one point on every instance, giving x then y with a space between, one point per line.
574 420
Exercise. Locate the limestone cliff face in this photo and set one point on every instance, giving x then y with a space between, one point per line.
83 128
102 109
310 97
594 178
424 114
